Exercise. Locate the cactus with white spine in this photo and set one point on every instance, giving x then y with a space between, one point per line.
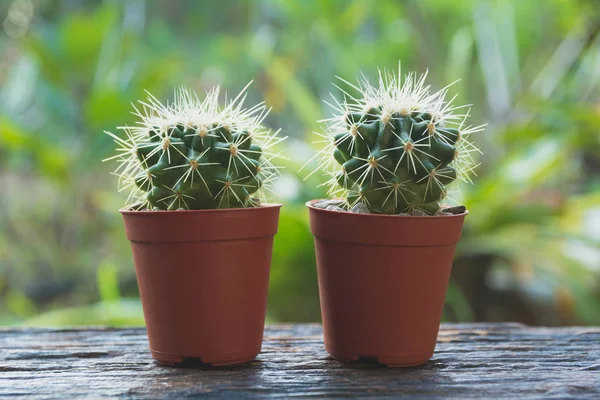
397 147
195 154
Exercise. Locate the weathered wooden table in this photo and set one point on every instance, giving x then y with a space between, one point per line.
471 360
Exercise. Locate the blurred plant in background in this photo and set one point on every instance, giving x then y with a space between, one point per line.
70 68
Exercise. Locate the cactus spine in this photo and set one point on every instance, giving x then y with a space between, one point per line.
398 147
195 154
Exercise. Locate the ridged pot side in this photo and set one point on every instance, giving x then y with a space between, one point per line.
203 277
382 283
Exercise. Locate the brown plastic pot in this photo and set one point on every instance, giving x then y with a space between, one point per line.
382 282
203 277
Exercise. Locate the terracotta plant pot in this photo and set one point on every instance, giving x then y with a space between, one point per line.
382 283
203 277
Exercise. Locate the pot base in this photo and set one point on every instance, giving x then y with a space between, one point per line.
390 360
215 360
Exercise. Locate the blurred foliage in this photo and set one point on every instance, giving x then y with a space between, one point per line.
69 70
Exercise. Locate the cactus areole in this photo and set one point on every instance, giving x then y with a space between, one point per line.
397 147
195 154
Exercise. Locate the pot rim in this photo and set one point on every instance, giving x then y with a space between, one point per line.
310 205
129 211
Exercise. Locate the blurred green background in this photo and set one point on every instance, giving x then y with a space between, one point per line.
70 68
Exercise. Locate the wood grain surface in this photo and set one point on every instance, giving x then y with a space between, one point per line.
471 361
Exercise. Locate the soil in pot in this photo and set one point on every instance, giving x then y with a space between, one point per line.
382 282
203 277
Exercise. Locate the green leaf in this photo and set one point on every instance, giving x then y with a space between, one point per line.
107 276
125 312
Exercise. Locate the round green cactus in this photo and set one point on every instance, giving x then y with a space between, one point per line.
195 154
398 147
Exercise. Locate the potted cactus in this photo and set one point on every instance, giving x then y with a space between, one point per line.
385 243
200 234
